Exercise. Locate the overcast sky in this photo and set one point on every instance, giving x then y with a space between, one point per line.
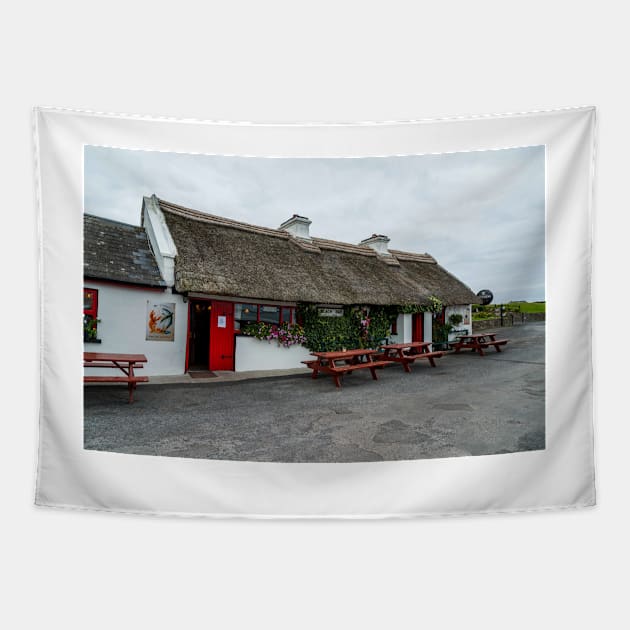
480 214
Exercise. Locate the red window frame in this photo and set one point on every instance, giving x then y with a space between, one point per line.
278 306
291 314
395 326
93 310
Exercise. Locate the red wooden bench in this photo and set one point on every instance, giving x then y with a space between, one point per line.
496 344
126 363
478 342
326 363
130 380
407 353
344 369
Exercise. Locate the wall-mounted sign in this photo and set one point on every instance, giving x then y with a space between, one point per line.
221 321
486 296
160 322
330 312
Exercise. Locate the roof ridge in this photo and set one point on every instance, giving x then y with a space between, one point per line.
213 218
88 215
314 244
402 255
328 243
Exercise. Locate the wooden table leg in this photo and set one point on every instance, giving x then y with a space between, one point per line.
406 364
131 384
337 377
372 369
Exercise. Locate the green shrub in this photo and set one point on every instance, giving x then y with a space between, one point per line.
359 327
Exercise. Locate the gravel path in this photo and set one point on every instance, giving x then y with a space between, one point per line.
467 405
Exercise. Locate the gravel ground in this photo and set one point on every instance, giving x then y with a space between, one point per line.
467 405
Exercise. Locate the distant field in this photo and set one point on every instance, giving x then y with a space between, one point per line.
527 307
492 310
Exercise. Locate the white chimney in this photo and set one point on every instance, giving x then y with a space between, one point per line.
297 226
378 242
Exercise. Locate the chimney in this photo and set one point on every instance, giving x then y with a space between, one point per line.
378 242
297 226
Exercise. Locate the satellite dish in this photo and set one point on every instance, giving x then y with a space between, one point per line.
486 296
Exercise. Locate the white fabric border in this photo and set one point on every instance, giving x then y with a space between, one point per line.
560 476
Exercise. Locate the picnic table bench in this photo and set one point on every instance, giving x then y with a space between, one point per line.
338 363
407 353
478 342
126 363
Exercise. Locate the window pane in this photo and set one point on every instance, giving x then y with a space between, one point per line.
88 300
286 314
246 313
270 314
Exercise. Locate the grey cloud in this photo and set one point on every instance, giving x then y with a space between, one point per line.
481 214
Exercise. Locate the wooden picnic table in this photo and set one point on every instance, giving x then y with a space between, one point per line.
478 342
338 363
407 353
126 363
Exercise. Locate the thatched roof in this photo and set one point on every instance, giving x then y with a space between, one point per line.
118 251
219 256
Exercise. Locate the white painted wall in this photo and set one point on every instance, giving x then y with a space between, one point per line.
256 354
428 327
465 310
122 311
403 326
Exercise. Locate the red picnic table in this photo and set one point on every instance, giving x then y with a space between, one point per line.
338 363
407 353
478 342
126 363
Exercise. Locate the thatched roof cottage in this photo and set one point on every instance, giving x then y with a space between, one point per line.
220 275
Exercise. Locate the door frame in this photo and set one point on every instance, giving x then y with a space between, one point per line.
417 326
189 331
229 331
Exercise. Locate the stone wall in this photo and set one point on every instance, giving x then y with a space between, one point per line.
510 319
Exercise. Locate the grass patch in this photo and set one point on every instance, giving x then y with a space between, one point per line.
527 307
491 311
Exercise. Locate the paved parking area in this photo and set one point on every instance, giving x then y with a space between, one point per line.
467 405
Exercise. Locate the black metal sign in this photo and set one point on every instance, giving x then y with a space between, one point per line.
486 296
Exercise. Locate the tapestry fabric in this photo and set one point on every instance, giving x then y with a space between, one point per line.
362 320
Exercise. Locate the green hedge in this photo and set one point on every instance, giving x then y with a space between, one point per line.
324 334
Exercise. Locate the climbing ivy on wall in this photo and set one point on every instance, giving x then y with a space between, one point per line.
435 305
359 327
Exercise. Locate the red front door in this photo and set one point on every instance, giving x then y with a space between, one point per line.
417 327
222 336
